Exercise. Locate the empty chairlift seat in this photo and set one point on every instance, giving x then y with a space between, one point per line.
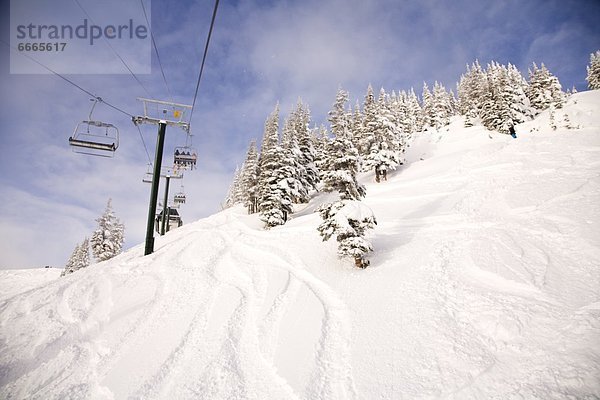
95 138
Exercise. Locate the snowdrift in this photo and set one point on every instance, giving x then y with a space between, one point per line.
485 283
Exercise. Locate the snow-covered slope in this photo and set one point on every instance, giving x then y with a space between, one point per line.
485 283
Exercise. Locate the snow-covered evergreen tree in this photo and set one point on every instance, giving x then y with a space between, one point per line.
303 151
80 258
274 196
369 122
516 95
348 221
386 145
440 108
291 172
471 92
249 179
405 115
495 108
107 239
399 109
320 139
427 110
544 89
356 125
341 162
234 194
69 266
415 113
497 96
593 71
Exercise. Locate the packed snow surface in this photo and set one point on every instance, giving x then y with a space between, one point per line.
485 283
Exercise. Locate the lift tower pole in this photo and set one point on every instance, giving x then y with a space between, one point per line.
161 113
166 211
160 143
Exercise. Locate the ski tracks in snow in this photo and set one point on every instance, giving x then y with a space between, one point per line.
198 319
228 291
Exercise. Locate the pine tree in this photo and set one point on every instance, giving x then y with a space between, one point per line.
427 110
369 122
516 91
234 194
471 93
347 219
107 239
341 160
83 259
544 89
249 179
496 95
320 141
386 146
356 125
70 266
299 145
495 112
593 71
400 108
440 106
274 200
415 113
80 258
292 173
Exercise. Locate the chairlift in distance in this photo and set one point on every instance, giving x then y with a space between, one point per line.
93 137
171 172
173 220
179 197
147 178
185 157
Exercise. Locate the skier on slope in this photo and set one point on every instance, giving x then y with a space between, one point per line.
511 131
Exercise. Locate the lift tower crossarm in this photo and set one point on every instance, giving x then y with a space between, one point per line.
138 120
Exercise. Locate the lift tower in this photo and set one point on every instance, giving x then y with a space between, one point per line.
161 113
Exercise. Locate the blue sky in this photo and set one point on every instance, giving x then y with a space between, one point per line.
261 52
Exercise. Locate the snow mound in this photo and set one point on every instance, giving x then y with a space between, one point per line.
484 284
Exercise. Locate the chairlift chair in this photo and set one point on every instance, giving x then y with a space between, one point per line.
174 220
185 157
179 198
95 138
147 178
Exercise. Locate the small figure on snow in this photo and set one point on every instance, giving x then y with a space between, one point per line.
380 173
511 131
